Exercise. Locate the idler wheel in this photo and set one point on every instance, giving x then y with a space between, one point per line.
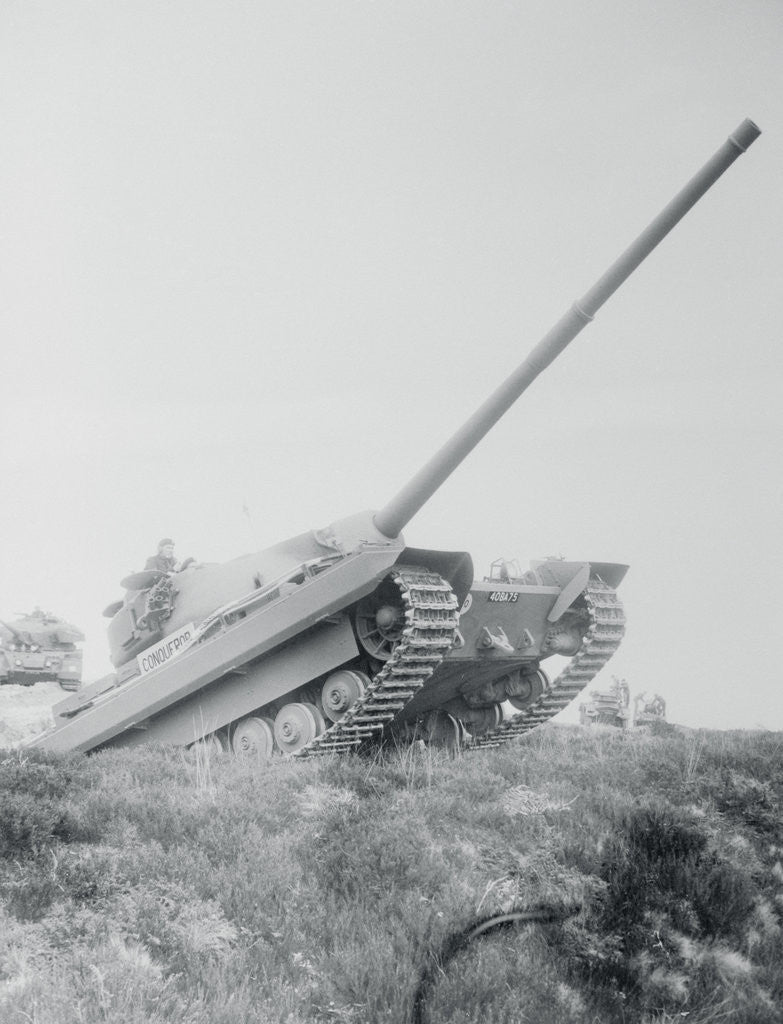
253 739
527 689
341 691
296 725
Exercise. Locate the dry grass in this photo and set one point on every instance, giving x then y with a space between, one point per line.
152 886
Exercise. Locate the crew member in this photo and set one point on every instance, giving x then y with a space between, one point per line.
164 561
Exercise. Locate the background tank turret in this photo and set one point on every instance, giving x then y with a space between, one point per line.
340 635
40 646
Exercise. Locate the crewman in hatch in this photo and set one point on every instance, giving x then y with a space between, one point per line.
164 561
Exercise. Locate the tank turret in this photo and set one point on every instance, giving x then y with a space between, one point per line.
339 636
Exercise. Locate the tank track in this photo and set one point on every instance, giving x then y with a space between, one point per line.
430 631
600 641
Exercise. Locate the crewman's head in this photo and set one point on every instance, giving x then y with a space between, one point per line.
166 547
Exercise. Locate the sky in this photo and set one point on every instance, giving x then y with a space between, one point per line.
259 261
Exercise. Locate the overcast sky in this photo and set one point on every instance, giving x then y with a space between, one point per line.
260 259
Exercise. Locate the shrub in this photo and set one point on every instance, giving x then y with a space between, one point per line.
40 773
723 897
27 824
749 801
661 878
35 808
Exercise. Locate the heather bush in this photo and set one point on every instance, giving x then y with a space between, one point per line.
650 938
750 801
35 804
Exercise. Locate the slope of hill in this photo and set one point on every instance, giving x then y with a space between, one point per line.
153 885
26 710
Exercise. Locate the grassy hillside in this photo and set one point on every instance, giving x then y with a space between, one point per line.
150 885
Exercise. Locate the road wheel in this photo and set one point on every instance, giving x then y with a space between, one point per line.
253 739
296 725
341 691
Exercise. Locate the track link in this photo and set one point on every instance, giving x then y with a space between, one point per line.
430 631
600 641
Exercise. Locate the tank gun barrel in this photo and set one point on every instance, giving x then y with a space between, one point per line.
391 519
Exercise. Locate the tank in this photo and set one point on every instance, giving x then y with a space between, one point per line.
608 707
40 646
345 635
648 708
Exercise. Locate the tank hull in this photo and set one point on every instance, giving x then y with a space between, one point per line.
281 645
494 677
